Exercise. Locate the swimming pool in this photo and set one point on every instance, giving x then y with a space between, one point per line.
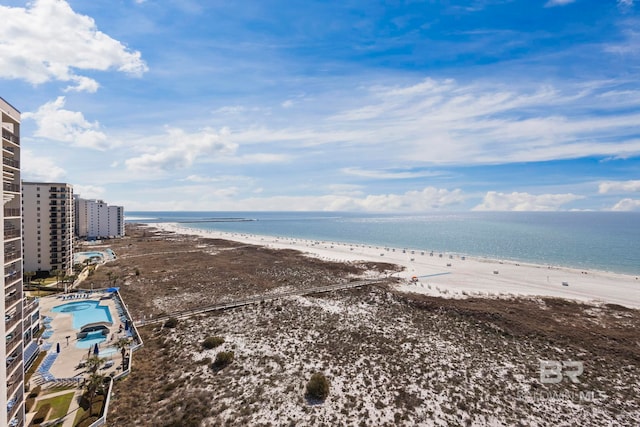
85 312
109 351
91 339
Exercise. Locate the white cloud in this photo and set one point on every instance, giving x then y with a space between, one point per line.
230 109
178 149
257 158
204 198
552 3
89 191
428 199
350 190
287 104
58 124
40 169
619 187
48 41
626 205
83 84
441 122
199 179
495 201
386 174
625 3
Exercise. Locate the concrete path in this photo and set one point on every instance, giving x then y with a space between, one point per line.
258 299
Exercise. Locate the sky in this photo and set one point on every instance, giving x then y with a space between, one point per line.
351 105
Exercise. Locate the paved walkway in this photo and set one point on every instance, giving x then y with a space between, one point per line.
258 299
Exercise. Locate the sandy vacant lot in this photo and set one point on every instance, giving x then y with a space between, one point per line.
392 358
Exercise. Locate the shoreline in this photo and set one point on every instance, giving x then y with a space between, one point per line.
454 276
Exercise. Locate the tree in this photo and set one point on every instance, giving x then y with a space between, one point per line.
58 274
123 345
93 363
28 275
93 384
68 279
113 278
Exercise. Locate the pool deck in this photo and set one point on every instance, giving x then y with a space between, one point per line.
70 357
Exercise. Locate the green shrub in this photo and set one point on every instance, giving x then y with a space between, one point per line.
317 387
212 342
42 413
172 322
205 361
223 359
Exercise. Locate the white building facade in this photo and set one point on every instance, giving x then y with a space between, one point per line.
47 214
95 219
11 332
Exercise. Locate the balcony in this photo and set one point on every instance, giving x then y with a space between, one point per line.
9 136
9 149
11 321
12 339
8 212
14 405
14 382
11 162
11 234
11 188
9 300
12 256
31 304
12 277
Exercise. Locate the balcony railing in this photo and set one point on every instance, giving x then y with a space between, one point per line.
13 383
11 212
12 342
30 305
11 278
8 135
9 301
11 234
10 187
15 403
11 322
11 256
11 162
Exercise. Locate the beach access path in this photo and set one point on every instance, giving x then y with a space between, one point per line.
465 276
257 300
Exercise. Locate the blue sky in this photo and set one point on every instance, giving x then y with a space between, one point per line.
317 105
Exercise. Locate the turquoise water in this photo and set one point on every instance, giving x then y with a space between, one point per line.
91 339
109 351
84 312
592 240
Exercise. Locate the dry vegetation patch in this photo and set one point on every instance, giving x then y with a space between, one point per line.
390 358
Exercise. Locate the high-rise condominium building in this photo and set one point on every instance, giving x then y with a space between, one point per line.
47 214
11 330
95 219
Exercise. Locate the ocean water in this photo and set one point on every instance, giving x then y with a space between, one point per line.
607 241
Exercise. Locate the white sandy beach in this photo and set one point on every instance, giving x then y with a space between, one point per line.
455 276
